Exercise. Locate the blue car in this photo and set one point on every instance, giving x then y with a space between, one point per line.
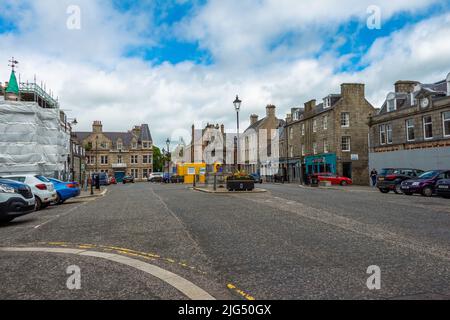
256 177
65 190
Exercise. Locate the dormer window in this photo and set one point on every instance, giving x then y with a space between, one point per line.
326 102
391 102
119 145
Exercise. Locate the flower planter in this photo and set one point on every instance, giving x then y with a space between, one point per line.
240 185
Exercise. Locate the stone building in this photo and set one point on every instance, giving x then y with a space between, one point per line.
259 144
119 153
331 136
412 129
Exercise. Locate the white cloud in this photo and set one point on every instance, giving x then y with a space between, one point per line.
93 79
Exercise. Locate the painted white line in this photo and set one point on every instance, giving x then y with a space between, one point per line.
186 287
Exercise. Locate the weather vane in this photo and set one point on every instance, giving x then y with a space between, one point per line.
13 63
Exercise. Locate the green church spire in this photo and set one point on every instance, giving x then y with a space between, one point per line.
13 87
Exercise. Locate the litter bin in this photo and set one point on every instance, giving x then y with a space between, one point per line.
315 181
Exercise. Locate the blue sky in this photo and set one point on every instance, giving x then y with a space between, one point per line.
182 62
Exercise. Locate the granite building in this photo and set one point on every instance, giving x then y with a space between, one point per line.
118 153
330 137
412 129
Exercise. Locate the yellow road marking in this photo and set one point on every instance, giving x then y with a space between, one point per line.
232 287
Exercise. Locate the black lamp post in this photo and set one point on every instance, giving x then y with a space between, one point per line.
237 106
168 159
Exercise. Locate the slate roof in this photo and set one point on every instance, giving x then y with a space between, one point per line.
126 137
433 90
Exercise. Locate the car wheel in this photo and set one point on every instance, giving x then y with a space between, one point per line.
344 183
45 205
58 199
384 190
6 220
398 189
427 192
38 204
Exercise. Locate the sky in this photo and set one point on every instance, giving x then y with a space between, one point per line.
175 63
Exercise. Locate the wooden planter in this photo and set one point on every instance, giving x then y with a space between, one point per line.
240 185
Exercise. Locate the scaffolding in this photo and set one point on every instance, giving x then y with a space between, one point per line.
32 92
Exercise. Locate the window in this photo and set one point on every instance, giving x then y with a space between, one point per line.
315 147
391 104
148 158
410 134
291 133
104 145
291 151
345 119
383 134
135 173
303 129
119 159
119 145
134 145
314 125
389 133
326 102
147 145
345 144
145 173
326 147
134 159
428 127
446 124
325 122
104 159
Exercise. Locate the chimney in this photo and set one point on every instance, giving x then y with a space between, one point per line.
353 90
253 119
288 118
270 110
97 127
310 105
405 86
222 129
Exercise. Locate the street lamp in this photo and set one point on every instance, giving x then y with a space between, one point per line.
237 106
168 158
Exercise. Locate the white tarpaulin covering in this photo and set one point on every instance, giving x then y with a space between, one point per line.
31 139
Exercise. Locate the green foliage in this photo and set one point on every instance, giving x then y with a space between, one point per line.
158 160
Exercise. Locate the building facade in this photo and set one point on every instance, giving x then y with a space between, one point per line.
412 129
119 153
330 137
260 144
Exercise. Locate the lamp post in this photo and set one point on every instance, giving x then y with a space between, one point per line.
237 107
168 159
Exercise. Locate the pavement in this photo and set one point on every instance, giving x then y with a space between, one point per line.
152 241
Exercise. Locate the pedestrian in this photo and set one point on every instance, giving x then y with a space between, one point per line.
374 176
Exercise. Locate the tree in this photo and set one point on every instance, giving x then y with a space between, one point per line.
158 160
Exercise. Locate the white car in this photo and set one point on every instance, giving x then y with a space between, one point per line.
155 177
42 188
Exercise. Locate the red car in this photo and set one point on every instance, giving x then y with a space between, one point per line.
112 180
334 179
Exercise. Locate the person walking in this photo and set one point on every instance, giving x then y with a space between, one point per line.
374 176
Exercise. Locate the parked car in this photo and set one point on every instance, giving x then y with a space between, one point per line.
128 179
424 184
390 179
16 200
155 177
65 190
257 177
443 188
42 188
176 179
334 179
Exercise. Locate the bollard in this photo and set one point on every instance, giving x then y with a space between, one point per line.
215 181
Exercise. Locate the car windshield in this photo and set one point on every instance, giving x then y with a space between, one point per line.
43 179
429 175
55 180
385 172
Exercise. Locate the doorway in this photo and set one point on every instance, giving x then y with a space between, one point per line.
347 169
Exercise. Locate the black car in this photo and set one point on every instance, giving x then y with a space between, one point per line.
443 188
16 199
128 179
425 184
390 179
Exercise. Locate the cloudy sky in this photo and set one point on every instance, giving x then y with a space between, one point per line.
174 63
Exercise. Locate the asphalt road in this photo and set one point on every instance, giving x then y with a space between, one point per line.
288 243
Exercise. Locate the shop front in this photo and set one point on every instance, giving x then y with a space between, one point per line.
324 163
